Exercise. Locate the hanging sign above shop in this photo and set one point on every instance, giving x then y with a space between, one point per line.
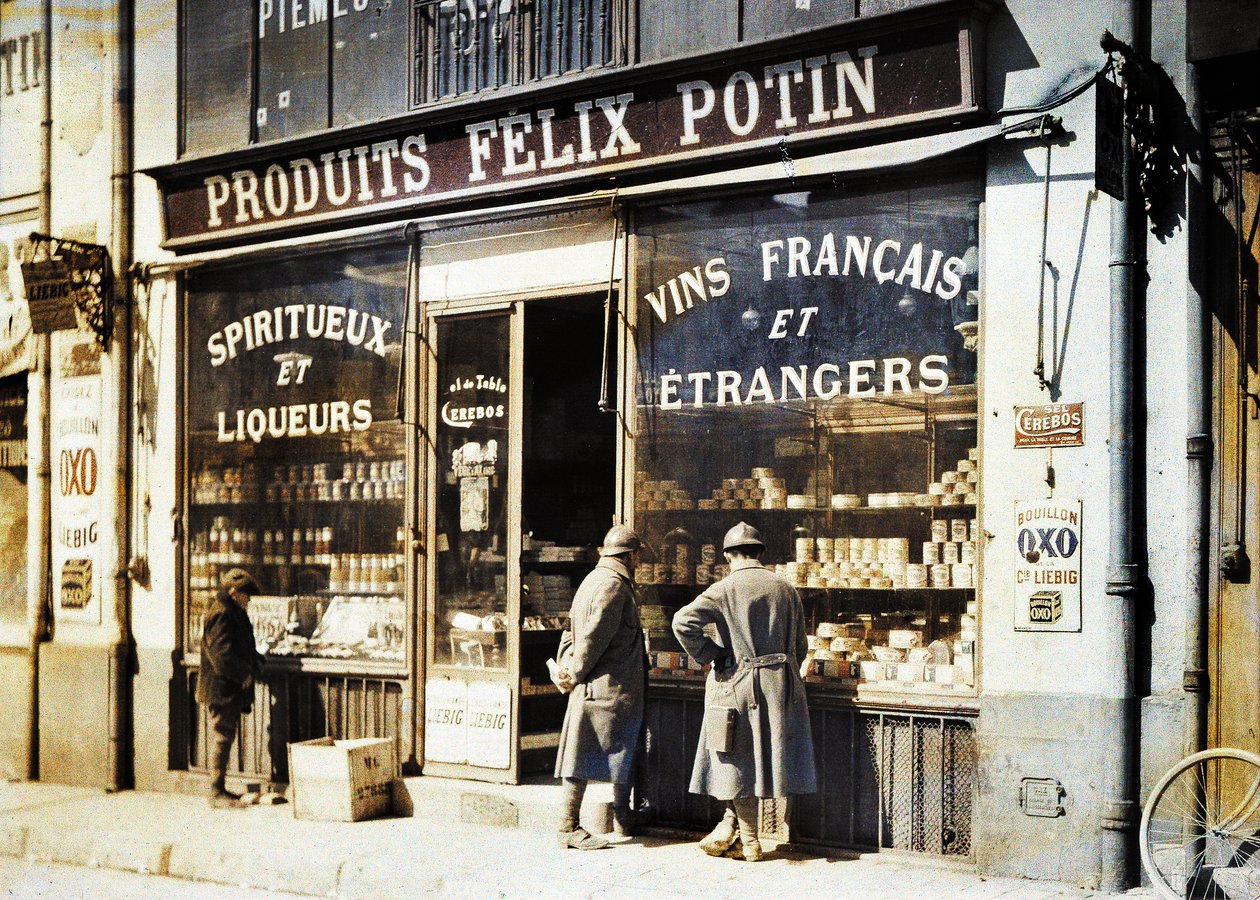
1048 565
772 104
65 282
1050 425
1109 146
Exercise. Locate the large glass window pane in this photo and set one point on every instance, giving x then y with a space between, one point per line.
369 53
803 365
13 498
293 82
471 438
217 56
295 452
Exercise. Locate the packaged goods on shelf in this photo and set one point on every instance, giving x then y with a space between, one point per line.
904 638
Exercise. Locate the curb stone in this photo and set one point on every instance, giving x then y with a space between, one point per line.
265 872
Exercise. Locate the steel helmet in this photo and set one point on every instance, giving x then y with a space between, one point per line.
742 535
620 539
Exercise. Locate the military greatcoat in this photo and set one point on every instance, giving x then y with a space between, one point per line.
605 655
757 614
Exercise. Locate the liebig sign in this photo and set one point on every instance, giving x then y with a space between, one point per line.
1048 565
844 86
1050 425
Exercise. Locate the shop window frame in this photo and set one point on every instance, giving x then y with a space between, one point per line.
959 702
411 591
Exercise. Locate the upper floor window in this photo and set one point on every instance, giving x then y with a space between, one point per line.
465 46
263 70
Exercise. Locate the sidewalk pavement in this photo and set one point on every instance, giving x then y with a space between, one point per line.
441 850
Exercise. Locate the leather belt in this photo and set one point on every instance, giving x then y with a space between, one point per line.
756 663
761 662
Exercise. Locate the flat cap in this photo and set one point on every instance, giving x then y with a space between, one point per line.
241 580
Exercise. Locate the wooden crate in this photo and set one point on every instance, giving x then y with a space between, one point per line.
342 781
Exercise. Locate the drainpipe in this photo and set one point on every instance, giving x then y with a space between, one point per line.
39 438
1194 677
1124 574
116 405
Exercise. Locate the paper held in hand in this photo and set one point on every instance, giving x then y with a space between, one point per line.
553 669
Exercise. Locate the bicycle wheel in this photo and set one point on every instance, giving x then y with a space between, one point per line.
1200 832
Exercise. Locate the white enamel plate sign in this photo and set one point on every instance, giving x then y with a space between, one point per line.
1048 565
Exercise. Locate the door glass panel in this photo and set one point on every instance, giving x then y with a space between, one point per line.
470 542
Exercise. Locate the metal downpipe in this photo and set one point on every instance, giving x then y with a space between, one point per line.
1198 434
118 389
39 500
1119 811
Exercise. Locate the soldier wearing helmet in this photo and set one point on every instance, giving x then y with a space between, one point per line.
756 741
602 667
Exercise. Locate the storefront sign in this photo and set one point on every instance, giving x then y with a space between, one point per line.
22 60
446 720
75 452
1048 565
811 298
770 104
319 361
489 721
1050 425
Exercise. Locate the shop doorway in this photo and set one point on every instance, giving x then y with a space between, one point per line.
523 487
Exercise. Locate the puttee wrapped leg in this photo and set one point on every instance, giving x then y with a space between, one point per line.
747 812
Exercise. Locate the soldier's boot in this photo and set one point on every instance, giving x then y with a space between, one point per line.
625 823
747 811
719 840
571 834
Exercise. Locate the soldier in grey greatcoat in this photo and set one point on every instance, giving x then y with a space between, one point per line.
601 665
756 661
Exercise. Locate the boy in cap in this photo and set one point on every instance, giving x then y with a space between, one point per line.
229 664
602 668
756 741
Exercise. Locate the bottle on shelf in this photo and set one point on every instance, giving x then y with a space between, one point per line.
352 582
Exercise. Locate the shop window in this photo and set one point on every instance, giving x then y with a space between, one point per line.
13 498
805 363
466 46
274 69
295 455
